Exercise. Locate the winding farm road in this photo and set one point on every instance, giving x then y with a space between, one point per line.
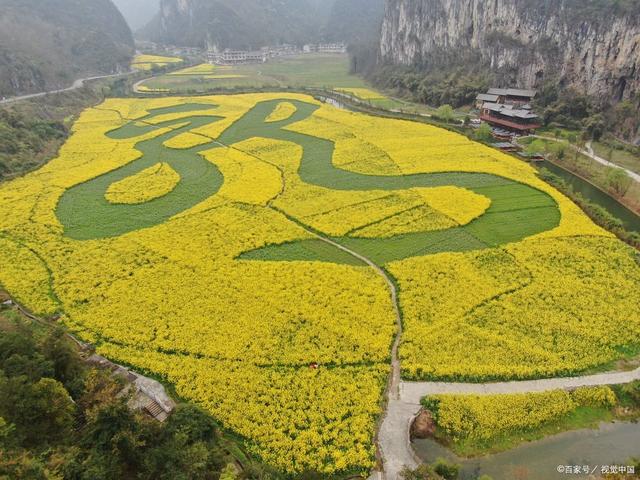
590 153
76 85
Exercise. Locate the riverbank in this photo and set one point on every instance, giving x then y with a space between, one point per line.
546 459
462 432
590 168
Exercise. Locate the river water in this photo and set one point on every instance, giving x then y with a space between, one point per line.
630 220
611 444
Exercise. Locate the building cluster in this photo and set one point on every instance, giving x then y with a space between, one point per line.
168 50
238 57
508 111
325 48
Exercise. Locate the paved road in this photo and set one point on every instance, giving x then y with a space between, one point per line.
394 433
394 436
412 392
588 151
77 84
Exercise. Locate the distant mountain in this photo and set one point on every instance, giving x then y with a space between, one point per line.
355 21
255 23
47 44
138 13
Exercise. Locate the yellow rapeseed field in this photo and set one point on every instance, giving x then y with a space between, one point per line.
485 417
241 337
148 184
283 111
202 69
147 62
362 93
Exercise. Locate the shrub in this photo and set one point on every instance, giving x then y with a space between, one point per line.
595 397
448 471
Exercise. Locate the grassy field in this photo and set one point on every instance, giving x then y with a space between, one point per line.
620 157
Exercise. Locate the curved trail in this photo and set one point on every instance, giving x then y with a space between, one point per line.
589 152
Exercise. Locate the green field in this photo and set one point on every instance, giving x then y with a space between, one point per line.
313 70
323 71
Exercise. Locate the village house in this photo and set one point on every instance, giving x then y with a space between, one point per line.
513 96
508 110
509 117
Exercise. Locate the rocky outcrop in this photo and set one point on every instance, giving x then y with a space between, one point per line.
424 425
592 46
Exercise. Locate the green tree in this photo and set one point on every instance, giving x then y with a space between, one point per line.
444 113
558 150
618 180
537 147
43 412
7 434
67 366
23 465
188 447
595 126
483 133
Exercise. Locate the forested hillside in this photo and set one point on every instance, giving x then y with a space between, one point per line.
47 44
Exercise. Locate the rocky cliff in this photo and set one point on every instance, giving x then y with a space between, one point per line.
47 44
590 45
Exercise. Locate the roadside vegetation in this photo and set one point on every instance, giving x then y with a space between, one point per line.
597 213
31 132
620 153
